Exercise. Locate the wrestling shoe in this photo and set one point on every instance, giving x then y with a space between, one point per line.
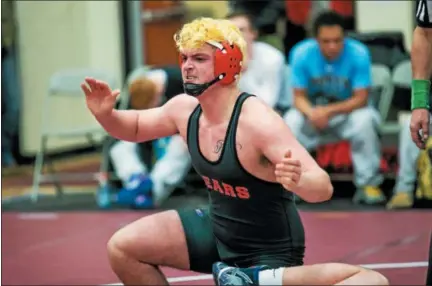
224 275
137 193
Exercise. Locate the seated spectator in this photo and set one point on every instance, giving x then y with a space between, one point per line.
331 76
263 71
262 75
265 16
409 155
146 88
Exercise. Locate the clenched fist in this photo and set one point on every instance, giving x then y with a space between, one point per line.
288 172
99 97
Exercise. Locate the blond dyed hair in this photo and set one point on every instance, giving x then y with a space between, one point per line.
195 34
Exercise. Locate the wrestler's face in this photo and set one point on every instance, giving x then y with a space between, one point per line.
330 39
197 65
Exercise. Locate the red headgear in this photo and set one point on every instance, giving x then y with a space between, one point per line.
227 66
227 61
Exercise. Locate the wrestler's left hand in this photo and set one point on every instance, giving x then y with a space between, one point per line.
288 171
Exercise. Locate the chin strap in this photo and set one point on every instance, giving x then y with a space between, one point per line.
197 89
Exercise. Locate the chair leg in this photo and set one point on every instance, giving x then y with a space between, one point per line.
58 186
106 144
38 168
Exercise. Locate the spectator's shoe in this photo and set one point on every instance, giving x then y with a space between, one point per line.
402 200
225 275
369 195
137 193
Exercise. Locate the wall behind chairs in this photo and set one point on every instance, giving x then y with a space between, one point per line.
384 15
218 9
56 35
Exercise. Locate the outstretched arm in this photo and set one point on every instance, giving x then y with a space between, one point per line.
279 145
129 125
139 125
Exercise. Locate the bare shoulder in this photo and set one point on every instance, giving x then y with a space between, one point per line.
259 117
181 105
179 108
182 100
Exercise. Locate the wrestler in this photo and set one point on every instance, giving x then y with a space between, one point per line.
252 218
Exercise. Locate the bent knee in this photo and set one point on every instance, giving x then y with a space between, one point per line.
116 245
122 243
365 118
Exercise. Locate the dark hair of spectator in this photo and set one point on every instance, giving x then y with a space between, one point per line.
242 13
328 18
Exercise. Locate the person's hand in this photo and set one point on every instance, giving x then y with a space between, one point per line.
420 120
99 97
288 171
319 117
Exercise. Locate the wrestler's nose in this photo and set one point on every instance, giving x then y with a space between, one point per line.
187 64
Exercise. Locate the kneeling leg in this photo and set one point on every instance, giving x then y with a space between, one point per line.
136 251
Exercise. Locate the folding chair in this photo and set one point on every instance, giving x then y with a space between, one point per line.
382 96
66 84
402 77
402 74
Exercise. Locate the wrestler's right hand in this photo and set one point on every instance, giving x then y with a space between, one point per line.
100 98
420 122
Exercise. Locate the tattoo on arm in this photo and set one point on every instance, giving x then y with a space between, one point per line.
220 144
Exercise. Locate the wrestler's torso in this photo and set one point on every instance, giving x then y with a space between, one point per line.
250 212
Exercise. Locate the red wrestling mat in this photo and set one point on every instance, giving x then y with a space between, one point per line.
70 248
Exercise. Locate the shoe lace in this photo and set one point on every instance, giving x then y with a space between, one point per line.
237 277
